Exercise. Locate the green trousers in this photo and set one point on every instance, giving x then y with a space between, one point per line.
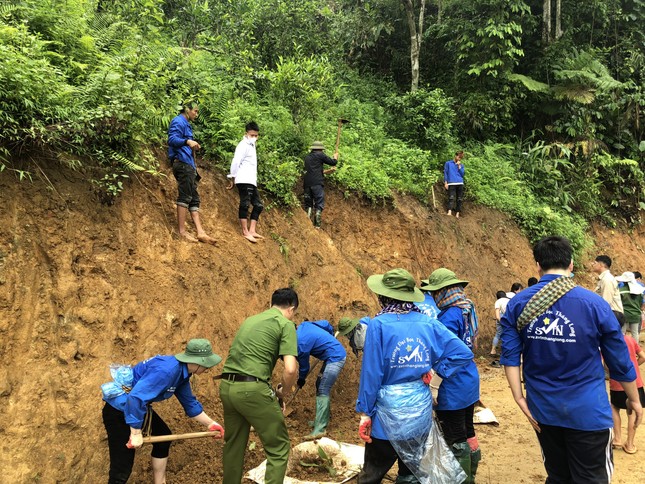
249 404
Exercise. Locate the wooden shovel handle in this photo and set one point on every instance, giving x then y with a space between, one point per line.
340 126
169 438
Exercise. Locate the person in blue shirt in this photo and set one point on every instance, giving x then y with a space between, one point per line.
561 333
181 152
155 379
316 338
453 181
403 345
457 395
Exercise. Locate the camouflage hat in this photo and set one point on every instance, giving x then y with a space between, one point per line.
317 145
199 352
346 325
396 284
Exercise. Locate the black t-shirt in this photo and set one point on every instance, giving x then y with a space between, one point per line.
314 162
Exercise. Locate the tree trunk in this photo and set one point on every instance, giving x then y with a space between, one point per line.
546 21
558 19
416 33
439 11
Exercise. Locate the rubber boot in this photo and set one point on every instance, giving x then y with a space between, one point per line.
461 451
323 406
309 212
406 479
475 457
317 218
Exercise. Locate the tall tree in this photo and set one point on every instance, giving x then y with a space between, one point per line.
415 25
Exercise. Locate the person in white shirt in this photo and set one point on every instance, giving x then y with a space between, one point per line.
244 175
607 286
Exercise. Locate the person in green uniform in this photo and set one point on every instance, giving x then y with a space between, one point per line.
246 392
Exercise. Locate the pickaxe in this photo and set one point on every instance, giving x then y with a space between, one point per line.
341 121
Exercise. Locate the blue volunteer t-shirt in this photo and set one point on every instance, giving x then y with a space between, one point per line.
401 348
156 379
562 352
317 339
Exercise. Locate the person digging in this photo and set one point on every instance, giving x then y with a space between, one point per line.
314 182
127 411
316 338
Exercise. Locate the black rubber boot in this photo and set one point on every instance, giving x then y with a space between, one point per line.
317 218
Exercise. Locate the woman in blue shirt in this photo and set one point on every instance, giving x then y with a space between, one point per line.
457 395
155 379
394 399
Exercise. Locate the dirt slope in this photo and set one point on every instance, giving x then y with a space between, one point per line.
83 285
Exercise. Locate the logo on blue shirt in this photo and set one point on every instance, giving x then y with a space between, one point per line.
410 352
552 326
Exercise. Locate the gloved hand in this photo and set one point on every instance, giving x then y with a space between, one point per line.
215 427
136 441
301 382
427 377
365 429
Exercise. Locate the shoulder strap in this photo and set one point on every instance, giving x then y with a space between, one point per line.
544 299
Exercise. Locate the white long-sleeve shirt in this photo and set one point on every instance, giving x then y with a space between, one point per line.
244 167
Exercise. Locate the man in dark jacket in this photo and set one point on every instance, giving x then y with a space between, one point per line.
315 181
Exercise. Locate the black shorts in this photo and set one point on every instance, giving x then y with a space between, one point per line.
618 398
187 179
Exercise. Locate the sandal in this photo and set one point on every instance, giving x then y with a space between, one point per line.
495 364
616 446
630 451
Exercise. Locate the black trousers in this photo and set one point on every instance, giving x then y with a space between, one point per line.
457 425
576 456
249 196
118 432
315 197
379 458
455 191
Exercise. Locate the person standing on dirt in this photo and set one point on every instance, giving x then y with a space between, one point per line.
246 392
561 333
631 295
453 181
500 309
314 182
244 175
607 286
394 398
127 414
181 152
316 338
457 395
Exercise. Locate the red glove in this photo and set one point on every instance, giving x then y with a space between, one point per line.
427 377
365 429
215 427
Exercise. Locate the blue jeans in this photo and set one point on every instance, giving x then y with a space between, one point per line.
498 333
328 376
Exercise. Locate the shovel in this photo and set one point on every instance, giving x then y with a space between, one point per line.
341 121
288 410
169 438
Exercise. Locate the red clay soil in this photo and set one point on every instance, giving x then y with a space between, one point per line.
84 285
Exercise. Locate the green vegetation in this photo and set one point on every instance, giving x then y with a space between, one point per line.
549 108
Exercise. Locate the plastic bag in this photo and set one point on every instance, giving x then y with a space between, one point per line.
405 411
438 462
122 381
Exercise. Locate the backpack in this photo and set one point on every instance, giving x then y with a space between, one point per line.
471 324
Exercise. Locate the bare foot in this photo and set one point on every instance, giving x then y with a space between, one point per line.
206 239
250 238
188 237
256 235
617 445
630 450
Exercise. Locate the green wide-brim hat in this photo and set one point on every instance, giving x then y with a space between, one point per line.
346 325
200 352
317 145
441 278
396 284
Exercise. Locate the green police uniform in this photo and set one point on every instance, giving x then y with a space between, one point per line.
255 350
